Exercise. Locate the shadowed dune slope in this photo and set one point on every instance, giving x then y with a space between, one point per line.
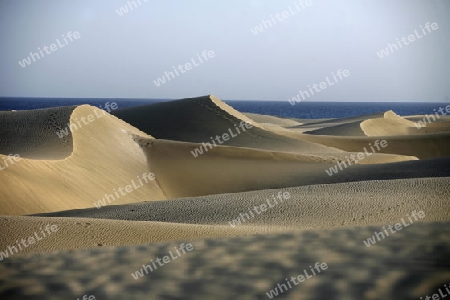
198 119
232 169
267 119
441 121
307 123
103 150
407 265
421 146
346 129
32 133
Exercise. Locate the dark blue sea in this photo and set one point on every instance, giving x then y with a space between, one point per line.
302 110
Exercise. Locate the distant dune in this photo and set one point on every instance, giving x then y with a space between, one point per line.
111 146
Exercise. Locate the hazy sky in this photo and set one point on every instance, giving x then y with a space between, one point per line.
122 56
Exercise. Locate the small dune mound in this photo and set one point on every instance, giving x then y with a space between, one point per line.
391 124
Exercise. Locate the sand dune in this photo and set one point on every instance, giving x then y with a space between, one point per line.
309 207
231 169
136 153
103 150
435 121
199 119
346 129
387 124
422 146
271 120
402 136
306 123
32 133
390 124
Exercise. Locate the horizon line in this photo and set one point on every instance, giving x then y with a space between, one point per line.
247 100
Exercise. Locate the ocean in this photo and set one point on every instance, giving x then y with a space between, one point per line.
302 110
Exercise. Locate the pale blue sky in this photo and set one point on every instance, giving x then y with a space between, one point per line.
121 56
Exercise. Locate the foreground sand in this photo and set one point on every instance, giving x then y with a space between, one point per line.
202 199
407 265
